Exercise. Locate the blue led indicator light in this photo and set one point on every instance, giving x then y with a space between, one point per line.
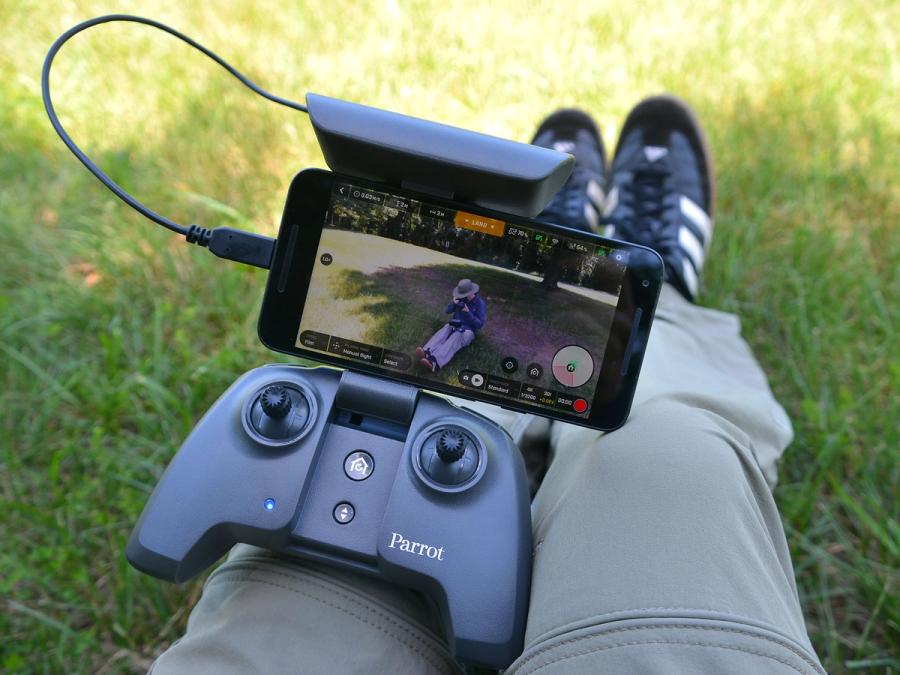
269 504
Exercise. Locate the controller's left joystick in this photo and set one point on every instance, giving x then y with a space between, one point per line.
277 414
275 401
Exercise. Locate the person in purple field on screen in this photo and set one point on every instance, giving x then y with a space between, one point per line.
469 314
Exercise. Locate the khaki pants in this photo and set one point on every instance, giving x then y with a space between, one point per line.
658 547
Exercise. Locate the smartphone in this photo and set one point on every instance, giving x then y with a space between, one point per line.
465 301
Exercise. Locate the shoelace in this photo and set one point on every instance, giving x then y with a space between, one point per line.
646 196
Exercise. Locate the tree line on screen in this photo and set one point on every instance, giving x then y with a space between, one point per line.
553 264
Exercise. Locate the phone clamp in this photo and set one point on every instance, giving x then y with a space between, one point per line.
437 159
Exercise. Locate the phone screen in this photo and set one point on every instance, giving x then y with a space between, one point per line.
473 303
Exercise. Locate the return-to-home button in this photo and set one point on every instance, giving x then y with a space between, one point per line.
359 465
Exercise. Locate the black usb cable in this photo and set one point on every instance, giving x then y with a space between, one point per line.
225 242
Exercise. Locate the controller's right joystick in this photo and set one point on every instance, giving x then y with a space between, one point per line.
451 445
449 459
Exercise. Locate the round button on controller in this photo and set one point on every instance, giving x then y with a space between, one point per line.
359 465
344 513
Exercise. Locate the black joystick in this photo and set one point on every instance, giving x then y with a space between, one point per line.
451 445
275 401
277 415
450 459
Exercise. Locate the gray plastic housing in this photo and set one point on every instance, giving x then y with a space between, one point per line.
215 490
437 159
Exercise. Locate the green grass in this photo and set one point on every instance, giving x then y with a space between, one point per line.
115 337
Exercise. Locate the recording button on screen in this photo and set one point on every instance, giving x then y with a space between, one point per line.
571 403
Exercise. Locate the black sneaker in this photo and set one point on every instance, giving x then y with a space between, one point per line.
580 201
661 188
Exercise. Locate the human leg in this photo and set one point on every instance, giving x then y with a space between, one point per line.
658 547
444 351
264 613
438 338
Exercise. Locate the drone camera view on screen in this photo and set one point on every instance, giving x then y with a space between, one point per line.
525 314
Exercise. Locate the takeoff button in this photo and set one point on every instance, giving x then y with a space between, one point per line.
359 465
344 512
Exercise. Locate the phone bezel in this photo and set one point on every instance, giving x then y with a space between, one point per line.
294 259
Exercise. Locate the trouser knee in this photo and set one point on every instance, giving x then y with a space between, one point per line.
668 449
677 443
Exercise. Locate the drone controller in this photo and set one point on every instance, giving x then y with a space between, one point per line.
368 475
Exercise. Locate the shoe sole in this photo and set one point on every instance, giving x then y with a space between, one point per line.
573 118
676 115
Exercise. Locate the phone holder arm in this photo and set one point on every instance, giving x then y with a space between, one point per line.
435 158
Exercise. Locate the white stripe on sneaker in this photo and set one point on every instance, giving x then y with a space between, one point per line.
691 245
595 194
592 217
689 276
612 201
698 217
